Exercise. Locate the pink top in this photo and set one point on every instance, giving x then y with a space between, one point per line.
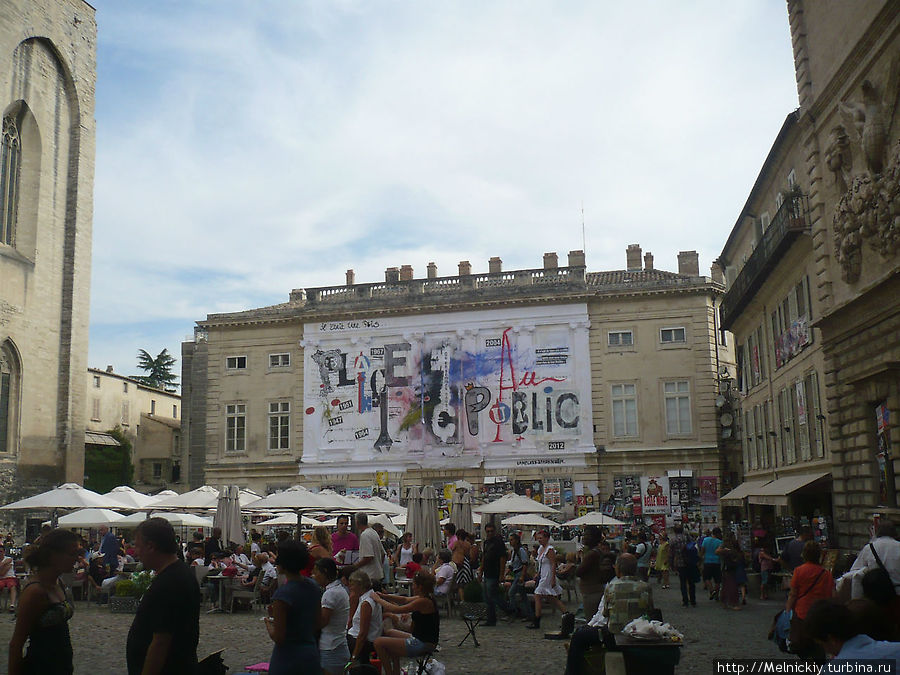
345 542
451 542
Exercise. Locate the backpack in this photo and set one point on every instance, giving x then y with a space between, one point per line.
691 555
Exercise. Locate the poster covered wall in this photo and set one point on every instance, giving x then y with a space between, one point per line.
448 389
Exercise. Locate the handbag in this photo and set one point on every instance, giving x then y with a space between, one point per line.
780 631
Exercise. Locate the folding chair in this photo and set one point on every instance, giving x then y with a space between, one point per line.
473 613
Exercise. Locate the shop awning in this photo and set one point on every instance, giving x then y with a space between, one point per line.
742 491
777 492
99 438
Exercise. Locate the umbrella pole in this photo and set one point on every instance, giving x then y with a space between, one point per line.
299 538
54 518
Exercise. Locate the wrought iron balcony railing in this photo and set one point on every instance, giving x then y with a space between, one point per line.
791 220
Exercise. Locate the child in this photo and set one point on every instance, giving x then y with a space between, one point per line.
414 566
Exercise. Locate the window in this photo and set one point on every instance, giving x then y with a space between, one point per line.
157 470
749 440
802 420
176 472
790 323
817 424
175 411
792 179
779 200
280 425
10 159
235 427
124 387
624 410
96 381
620 338
236 363
764 221
152 407
678 407
786 409
95 409
671 335
125 413
279 360
762 435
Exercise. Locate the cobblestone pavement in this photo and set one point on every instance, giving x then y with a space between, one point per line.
710 632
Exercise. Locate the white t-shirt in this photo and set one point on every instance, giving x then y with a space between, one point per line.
241 558
374 623
270 574
446 572
370 546
254 548
336 599
11 572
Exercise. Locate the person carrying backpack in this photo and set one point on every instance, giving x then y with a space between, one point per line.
683 557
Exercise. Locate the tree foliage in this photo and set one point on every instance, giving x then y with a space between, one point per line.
108 466
158 370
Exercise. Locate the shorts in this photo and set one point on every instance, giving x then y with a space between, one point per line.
9 582
712 571
334 660
764 577
415 647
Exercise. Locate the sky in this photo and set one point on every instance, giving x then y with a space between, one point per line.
248 148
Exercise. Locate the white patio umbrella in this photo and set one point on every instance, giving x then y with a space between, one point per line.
594 518
386 507
297 498
513 503
203 497
88 518
461 511
130 497
431 530
400 521
163 494
289 520
529 519
228 515
177 519
414 514
66 496
247 497
386 523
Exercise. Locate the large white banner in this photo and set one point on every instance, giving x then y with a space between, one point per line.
510 382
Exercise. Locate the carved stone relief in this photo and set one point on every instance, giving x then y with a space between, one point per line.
869 207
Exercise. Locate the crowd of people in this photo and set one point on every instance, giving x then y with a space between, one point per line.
327 601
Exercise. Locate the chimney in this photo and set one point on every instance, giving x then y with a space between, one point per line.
406 273
576 259
351 277
648 261
109 369
432 271
715 271
495 265
465 268
551 261
689 263
391 275
633 257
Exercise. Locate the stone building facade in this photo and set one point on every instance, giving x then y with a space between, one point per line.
149 417
553 379
47 76
842 144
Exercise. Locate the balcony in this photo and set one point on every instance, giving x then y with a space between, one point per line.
791 220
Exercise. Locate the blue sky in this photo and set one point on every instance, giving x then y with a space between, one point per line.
248 148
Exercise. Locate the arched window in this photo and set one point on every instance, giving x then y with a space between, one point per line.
9 397
10 146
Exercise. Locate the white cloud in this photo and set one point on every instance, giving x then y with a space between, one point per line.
252 148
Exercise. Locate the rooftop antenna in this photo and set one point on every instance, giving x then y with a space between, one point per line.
583 244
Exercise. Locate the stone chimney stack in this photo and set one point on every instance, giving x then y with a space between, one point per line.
715 271
432 271
689 263
406 273
465 268
648 261
551 261
391 275
633 257
109 369
576 259
351 277
495 265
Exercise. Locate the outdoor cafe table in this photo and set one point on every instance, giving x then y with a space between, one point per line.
219 579
648 656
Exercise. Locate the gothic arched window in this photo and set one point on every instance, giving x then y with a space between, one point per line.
9 397
10 147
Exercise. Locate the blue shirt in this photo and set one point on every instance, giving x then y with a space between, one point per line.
864 647
710 544
109 547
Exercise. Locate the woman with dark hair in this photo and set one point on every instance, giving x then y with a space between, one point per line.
45 608
461 550
728 553
319 548
426 623
333 617
809 583
548 589
293 614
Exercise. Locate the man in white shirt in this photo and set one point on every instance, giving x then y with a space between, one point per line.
888 549
443 576
371 552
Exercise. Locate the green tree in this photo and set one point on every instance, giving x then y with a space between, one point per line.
108 466
159 369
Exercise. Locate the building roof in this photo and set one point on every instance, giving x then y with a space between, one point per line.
135 382
167 421
99 438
